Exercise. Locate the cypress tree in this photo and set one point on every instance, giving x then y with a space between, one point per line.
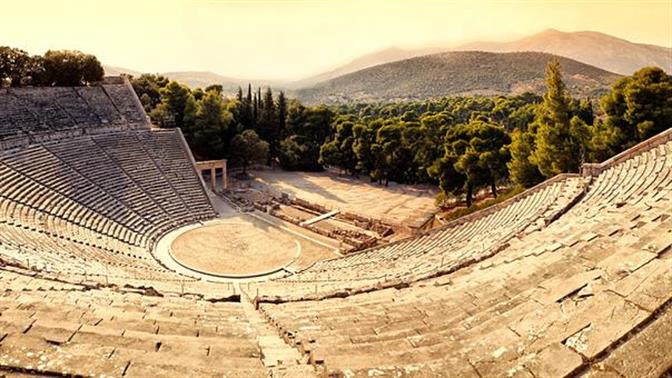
255 110
267 124
282 113
246 111
267 105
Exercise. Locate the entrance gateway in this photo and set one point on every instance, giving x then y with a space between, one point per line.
212 166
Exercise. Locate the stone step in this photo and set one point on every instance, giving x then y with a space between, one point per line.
282 359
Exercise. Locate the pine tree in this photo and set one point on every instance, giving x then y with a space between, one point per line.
638 107
557 144
522 171
248 148
174 98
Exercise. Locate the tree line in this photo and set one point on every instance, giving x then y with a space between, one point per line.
461 144
252 126
54 68
467 144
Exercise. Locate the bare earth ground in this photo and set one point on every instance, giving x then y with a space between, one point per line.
241 245
397 204
311 251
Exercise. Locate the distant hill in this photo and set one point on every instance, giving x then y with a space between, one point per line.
365 61
597 49
116 71
201 79
198 79
457 73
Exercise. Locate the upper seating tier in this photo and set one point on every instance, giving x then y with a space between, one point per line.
34 114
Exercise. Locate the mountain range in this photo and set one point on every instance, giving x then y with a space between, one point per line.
600 50
597 49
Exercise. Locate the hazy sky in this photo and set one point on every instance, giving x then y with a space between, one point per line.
291 39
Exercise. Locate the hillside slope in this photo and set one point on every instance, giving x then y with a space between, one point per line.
369 60
457 73
202 79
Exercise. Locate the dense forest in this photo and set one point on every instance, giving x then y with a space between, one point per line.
461 144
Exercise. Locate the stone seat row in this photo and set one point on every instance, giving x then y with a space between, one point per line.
137 213
64 330
30 110
48 253
40 165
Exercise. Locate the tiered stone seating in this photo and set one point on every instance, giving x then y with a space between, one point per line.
43 102
53 254
128 152
33 114
591 293
87 205
44 173
49 328
99 104
133 192
171 159
458 244
75 106
14 116
91 207
126 102
87 158
15 187
573 277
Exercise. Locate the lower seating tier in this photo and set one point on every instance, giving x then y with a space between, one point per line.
601 300
48 328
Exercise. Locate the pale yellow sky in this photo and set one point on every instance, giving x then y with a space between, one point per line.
292 39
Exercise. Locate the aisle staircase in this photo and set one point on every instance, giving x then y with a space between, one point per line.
280 358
